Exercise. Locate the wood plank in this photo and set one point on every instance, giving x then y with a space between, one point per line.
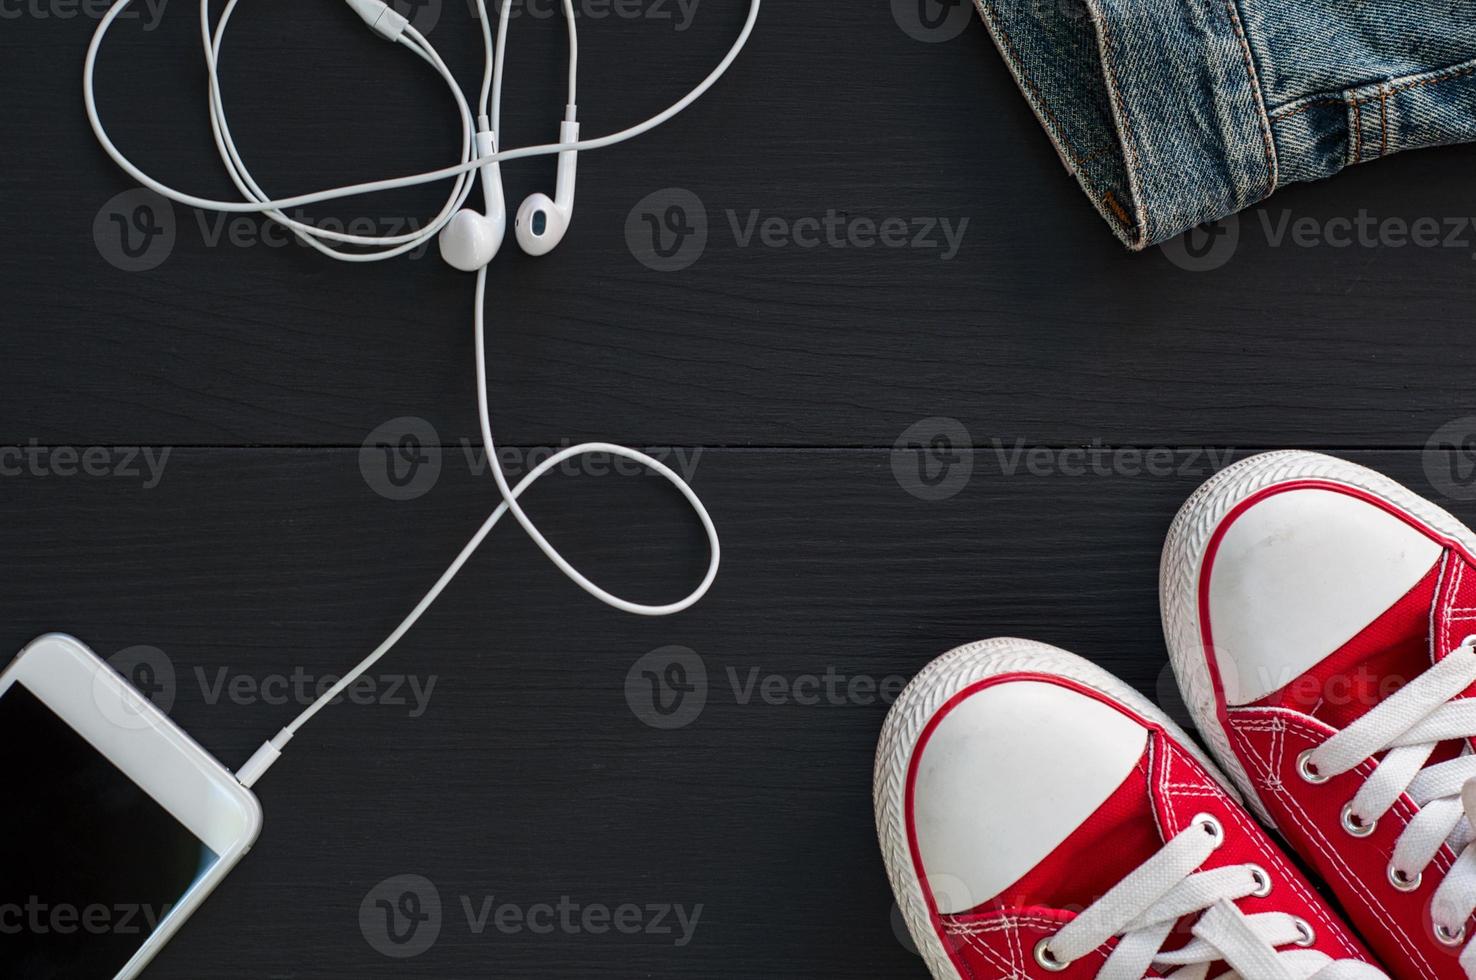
529 776
1040 327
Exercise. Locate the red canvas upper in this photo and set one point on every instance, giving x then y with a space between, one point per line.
1164 793
1268 737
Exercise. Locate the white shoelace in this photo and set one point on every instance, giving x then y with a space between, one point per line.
1143 908
1408 727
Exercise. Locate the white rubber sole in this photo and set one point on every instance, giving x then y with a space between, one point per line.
938 682
1183 557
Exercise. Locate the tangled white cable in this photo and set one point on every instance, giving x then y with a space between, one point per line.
542 221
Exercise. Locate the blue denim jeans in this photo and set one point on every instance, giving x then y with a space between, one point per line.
1173 113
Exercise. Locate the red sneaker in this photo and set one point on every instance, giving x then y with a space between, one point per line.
1039 818
1319 616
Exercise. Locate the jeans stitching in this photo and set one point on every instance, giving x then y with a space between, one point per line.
1055 129
1268 140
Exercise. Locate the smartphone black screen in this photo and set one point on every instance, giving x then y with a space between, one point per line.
89 862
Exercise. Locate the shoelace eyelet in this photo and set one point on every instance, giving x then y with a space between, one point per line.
1448 938
1356 826
1309 772
1404 882
1308 935
1263 881
1210 826
1046 958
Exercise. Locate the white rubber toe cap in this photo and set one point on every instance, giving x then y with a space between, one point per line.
1298 574
1008 774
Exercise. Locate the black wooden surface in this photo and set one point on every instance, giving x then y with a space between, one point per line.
786 373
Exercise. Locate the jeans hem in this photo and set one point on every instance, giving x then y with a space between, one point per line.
1180 136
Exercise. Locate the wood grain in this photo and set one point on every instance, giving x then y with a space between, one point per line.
787 373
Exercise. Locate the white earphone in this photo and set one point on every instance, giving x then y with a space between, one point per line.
472 239
542 222
469 240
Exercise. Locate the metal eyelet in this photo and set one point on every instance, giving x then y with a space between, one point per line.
1356 826
1263 881
1404 882
1448 938
1307 935
1046 958
1210 826
1309 772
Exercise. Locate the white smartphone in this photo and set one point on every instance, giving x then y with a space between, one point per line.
115 825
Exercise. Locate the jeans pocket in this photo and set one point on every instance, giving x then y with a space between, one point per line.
1321 134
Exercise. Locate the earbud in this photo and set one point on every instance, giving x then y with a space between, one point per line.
471 240
542 221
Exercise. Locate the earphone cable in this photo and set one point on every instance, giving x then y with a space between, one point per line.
397 28
89 71
271 751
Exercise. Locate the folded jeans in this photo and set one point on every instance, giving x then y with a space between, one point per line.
1175 113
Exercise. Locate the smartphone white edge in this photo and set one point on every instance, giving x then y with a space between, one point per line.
151 750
